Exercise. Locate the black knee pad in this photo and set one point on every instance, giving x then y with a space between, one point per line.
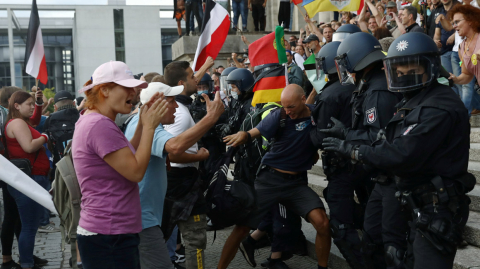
394 257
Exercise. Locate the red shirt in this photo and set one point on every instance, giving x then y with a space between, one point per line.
41 165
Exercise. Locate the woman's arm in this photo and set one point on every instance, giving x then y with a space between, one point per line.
133 166
19 130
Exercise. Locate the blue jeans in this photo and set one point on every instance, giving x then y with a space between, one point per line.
239 8
30 213
448 64
45 218
109 251
172 244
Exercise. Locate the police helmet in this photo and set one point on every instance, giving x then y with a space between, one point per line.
344 31
223 79
412 62
208 81
257 70
356 52
325 58
242 78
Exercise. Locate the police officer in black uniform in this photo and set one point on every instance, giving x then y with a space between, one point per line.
239 82
344 31
333 101
210 140
426 148
359 61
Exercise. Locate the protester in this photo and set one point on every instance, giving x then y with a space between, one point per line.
24 142
239 8
466 23
192 9
406 23
258 13
283 177
179 14
381 33
295 74
109 167
436 9
328 33
313 43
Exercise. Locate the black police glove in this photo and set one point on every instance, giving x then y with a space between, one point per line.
338 130
342 147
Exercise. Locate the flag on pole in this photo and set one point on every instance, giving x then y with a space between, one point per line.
215 26
267 50
314 6
36 66
269 86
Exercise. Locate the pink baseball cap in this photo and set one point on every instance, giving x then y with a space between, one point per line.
117 72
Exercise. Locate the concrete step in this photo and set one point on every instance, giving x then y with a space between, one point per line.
466 258
475 135
474 152
475 121
472 230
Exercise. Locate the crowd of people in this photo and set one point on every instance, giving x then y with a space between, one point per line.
387 109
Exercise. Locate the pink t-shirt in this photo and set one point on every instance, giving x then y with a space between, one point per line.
473 69
110 202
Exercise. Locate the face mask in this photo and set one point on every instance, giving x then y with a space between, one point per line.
409 80
235 95
200 93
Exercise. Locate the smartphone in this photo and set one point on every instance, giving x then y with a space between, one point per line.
388 17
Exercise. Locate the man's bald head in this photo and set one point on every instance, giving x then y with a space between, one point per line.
293 101
292 92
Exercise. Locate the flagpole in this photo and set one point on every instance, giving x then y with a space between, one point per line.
300 11
36 83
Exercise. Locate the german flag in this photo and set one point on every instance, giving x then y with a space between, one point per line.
269 86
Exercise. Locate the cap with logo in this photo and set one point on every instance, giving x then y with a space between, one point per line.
159 87
117 72
311 38
63 95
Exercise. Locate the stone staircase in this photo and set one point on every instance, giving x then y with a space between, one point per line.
466 258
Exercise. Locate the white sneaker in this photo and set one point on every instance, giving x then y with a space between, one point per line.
49 228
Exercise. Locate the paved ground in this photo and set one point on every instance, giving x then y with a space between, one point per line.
49 246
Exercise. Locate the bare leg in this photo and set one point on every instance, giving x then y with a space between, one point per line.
318 218
79 259
276 255
257 235
7 258
231 245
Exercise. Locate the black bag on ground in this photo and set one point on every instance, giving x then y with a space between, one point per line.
228 201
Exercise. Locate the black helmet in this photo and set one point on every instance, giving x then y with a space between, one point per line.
344 31
223 79
242 78
412 62
325 58
257 70
206 80
356 52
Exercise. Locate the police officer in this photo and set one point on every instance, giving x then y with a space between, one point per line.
239 81
223 80
333 101
359 61
426 148
210 140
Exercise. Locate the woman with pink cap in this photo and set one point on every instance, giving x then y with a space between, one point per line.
108 167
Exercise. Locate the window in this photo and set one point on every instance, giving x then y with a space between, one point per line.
119 35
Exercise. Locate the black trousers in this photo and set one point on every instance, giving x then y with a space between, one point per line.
385 220
284 14
284 226
259 18
11 222
195 8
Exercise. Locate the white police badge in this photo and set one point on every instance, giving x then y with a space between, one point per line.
371 115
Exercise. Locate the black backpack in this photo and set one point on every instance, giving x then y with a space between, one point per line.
228 201
250 155
123 128
60 127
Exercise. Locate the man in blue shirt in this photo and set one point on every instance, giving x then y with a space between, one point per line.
283 175
153 187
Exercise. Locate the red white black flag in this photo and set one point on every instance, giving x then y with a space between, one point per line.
35 64
215 26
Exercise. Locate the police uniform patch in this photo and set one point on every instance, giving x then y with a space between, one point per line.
301 126
371 115
409 129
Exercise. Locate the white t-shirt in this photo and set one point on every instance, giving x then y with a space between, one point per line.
183 122
299 61
458 40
